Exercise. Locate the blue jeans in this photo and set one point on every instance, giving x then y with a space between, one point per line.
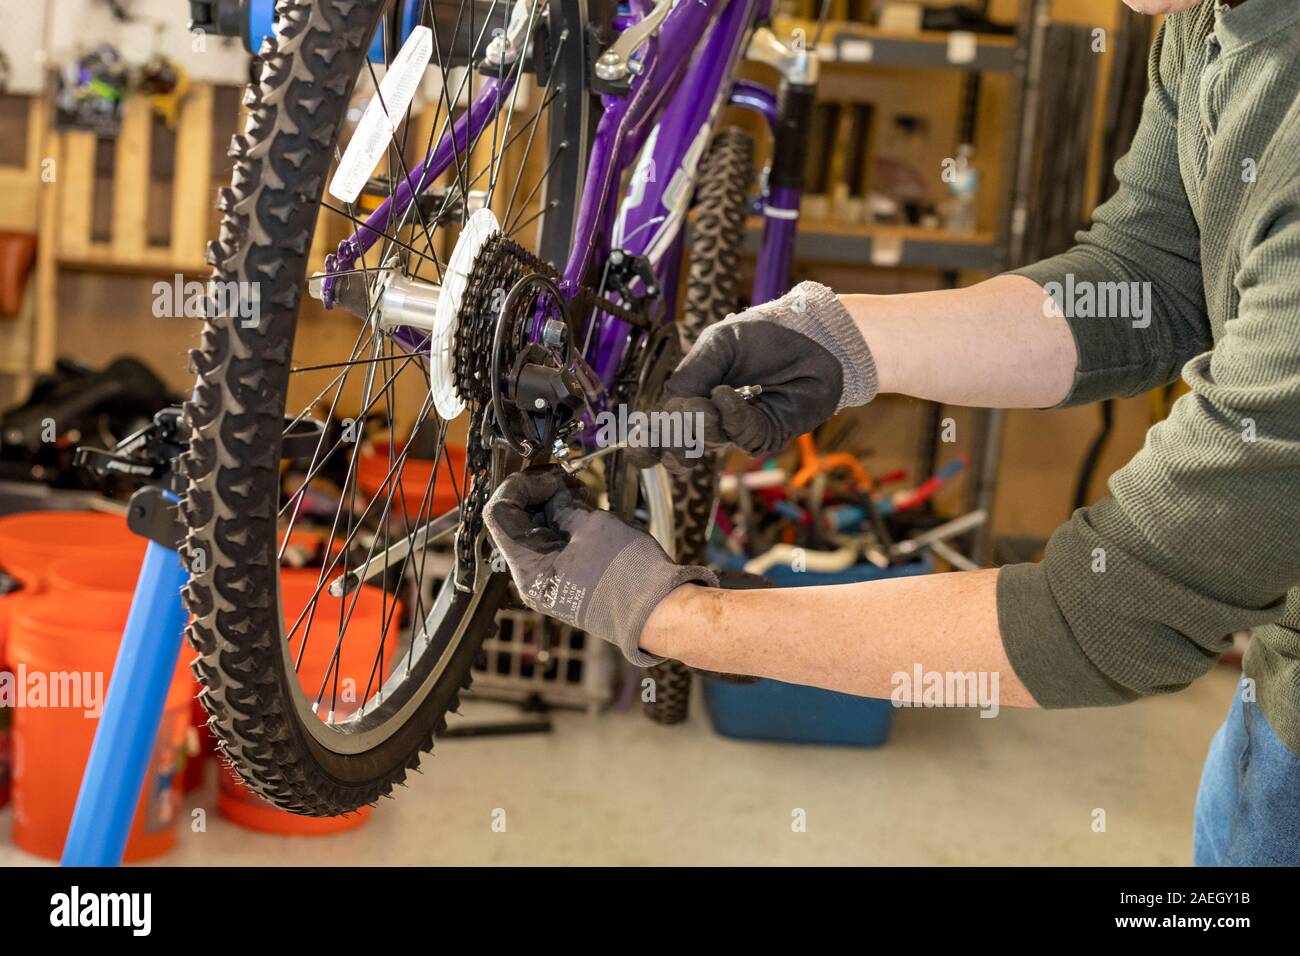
1248 806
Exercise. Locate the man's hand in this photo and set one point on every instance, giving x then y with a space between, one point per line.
806 352
585 567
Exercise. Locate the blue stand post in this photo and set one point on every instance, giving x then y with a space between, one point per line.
128 728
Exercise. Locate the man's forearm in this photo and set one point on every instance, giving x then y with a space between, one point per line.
995 344
991 345
853 637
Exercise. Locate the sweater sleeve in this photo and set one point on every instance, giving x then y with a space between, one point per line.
1198 539
1146 234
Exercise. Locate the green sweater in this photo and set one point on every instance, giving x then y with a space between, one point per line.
1200 535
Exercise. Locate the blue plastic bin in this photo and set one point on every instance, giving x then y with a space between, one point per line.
774 710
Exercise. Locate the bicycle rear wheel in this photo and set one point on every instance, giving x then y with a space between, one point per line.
326 727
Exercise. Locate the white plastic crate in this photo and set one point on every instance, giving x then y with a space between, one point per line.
531 655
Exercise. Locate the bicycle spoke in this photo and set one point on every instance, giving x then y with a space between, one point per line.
383 235
352 362
533 218
328 568
514 98
338 444
535 123
406 173
341 379
541 179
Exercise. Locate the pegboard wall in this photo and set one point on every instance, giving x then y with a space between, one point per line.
41 34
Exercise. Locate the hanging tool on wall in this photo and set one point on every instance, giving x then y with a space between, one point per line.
90 91
120 9
164 83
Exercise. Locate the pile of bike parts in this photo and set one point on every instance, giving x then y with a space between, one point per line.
825 513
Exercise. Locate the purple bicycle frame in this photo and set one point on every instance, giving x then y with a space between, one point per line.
666 119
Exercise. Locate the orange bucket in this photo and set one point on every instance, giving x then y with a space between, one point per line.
32 541
98 584
202 746
102 585
29 542
356 660
7 603
6 746
412 479
53 636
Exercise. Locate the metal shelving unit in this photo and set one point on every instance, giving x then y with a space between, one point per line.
907 247
882 246
975 53
1014 207
859 43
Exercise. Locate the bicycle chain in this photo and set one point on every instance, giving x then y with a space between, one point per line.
499 265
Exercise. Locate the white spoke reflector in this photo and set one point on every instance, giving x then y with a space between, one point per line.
378 126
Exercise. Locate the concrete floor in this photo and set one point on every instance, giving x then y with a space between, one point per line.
949 788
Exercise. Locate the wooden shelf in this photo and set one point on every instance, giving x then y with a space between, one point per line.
857 44
163 265
887 246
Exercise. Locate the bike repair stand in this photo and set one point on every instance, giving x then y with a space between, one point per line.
151 644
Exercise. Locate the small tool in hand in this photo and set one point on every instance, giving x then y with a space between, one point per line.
576 465
749 393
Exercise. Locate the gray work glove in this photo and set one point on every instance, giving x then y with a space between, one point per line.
585 567
803 349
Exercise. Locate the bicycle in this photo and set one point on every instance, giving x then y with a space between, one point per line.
536 323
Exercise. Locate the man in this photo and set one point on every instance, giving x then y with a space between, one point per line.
1136 595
